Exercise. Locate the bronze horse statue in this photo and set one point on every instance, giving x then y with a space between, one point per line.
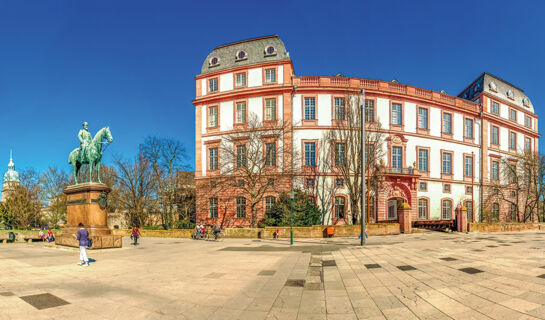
92 154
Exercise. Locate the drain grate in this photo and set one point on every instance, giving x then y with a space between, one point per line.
295 283
471 270
44 301
448 259
266 273
329 263
406 268
373 266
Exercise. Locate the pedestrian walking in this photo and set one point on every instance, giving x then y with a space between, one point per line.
135 234
83 238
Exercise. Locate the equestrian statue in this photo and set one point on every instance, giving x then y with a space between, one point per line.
89 152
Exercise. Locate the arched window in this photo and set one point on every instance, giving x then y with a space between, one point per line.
422 209
496 211
446 212
269 203
339 207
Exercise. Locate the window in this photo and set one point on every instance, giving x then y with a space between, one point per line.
527 144
469 212
240 183
241 55
469 189
512 172
269 203
212 184
240 79
423 118
495 107
369 153
213 85
446 212
270 75
447 163
512 194
513 212
422 209
528 122
339 109
270 154
339 207
468 128
397 118
310 154
213 159
446 188
512 114
512 141
496 211
468 166
212 117
270 109
447 123
423 186
241 156
241 112
495 136
423 160
270 50
309 182
372 208
310 108
339 154
495 172
241 207
213 207
397 157
270 182
339 182
369 110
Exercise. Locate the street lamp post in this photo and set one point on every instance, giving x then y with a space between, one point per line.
292 195
362 122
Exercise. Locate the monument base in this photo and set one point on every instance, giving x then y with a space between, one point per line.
86 203
99 241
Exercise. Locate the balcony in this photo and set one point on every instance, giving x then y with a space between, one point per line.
396 171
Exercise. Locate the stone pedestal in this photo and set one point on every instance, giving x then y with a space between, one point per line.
461 219
404 214
86 203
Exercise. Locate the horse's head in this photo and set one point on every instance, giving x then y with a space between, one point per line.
108 134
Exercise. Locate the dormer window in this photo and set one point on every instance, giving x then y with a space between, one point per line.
510 94
214 61
241 55
492 86
270 51
525 102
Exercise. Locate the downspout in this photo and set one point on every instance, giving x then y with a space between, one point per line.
481 164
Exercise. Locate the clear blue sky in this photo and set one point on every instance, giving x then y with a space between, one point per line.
130 64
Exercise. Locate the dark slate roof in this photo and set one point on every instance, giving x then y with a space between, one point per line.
483 83
255 50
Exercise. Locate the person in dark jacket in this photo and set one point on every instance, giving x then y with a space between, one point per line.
83 238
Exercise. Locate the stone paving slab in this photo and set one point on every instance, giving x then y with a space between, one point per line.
426 276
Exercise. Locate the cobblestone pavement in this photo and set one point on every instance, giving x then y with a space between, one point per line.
430 275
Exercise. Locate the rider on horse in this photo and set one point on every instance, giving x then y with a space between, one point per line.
85 139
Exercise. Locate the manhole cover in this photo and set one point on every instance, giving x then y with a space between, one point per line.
295 283
266 273
448 259
470 270
329 263
373 266
406 268
44 301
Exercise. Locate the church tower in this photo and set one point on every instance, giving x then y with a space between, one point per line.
11 180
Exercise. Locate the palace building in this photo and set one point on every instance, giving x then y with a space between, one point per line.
435 152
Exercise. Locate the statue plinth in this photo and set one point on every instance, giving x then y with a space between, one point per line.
86 203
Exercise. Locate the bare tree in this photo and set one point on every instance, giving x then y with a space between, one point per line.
254 159
53 181
345 138
167 157
136 188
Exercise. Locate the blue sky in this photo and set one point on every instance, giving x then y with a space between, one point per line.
131 64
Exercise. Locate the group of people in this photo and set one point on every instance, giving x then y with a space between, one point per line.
200 231
49 237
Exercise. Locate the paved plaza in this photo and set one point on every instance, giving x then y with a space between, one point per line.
430 275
